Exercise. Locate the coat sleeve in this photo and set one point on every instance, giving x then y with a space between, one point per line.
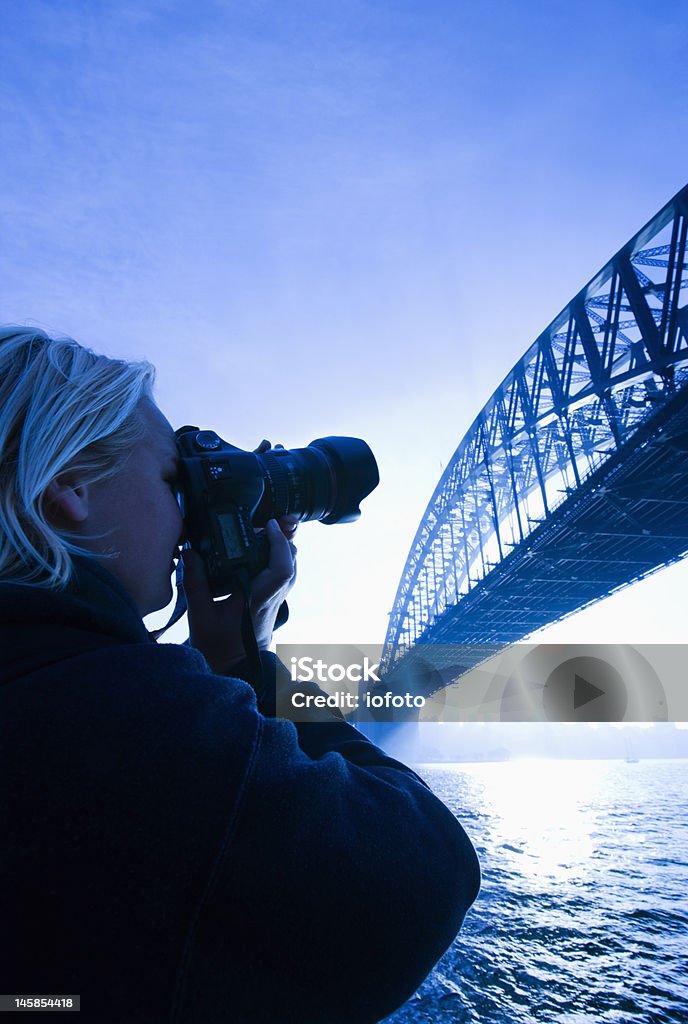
349 877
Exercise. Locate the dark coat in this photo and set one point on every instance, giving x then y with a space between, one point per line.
171 854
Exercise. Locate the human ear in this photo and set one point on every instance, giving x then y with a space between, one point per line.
66 500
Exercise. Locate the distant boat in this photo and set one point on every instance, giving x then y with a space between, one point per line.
631 756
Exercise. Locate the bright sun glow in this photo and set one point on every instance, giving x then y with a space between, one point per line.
548 810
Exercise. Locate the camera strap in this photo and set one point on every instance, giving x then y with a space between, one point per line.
180 605
248 636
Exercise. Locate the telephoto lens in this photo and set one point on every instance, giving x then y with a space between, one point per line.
325 481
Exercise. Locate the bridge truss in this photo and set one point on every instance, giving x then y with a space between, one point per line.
573 479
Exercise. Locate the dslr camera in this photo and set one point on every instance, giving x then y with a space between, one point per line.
226 495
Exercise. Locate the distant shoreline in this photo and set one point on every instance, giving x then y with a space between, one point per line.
535 757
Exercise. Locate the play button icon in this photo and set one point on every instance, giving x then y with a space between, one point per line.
584 692
584 689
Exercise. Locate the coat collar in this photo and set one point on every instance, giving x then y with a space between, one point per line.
41 626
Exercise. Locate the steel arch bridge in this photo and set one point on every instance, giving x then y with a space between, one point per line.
572 481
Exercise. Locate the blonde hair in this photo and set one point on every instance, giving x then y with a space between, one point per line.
62 407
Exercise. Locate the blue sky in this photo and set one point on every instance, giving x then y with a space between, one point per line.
321 218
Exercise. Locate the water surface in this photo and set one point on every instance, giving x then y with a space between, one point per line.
583 912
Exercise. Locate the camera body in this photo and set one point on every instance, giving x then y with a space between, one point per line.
227 494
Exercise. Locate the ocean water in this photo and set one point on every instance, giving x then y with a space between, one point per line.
583 913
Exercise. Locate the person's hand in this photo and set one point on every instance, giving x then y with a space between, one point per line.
215 625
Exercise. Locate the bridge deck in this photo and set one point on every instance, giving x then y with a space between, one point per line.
620 525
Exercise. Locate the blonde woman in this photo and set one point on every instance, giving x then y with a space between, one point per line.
170 851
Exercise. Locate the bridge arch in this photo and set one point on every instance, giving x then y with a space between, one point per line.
572 480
